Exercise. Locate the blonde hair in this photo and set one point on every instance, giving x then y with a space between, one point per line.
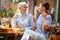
21 4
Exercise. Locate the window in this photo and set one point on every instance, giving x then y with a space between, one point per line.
23 0
18 0
15 0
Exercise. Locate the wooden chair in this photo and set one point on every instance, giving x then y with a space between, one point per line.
52 36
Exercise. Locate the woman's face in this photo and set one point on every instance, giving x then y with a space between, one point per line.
41 8
23 8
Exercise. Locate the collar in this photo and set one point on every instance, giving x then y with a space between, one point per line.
20 14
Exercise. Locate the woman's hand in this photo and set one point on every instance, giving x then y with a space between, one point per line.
44 15
45 26
15 16
22 29
21 26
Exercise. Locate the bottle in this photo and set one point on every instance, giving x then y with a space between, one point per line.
0 21
0 26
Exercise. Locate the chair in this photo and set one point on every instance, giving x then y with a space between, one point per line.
51 35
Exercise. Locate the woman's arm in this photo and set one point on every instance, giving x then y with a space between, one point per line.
31 22
13 23
47 23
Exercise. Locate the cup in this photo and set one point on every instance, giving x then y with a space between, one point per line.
0 26
7 26
15 30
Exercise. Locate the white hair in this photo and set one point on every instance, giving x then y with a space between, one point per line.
21 4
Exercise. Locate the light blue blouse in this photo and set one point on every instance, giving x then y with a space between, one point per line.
39 24
23 19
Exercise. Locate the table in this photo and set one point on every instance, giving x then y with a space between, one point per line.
10 32
57 37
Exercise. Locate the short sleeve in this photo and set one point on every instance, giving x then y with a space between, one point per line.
48 20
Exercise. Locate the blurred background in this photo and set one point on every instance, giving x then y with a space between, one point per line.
8 8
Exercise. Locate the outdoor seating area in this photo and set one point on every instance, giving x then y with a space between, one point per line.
29 19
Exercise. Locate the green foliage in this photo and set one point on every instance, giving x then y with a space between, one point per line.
2 11
10 13
5 13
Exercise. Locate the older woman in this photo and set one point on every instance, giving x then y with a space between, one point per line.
43 23
22 19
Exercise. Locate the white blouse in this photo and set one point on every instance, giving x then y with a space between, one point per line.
25 20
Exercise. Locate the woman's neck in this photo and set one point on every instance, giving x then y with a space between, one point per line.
23 12
44 14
